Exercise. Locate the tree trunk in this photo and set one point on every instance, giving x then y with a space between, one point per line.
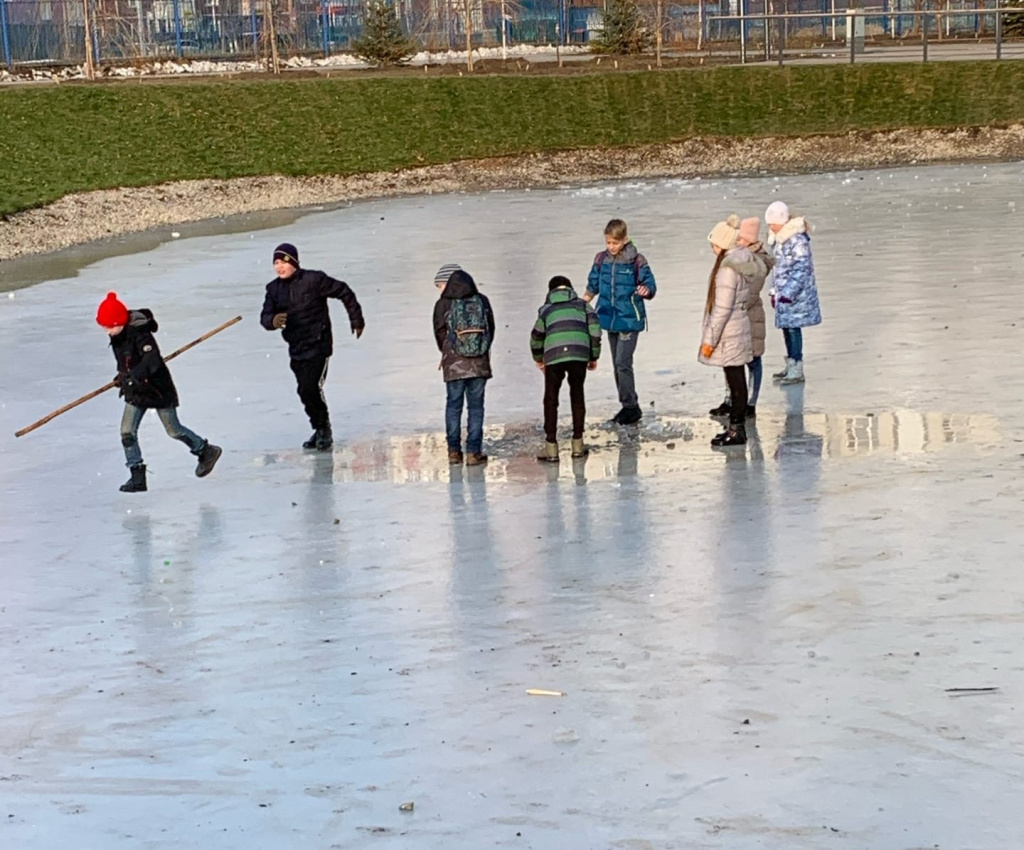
659 12
275 60
87 21
468 23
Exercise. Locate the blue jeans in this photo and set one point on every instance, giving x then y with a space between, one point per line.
794 343
473 391
756 371
131 420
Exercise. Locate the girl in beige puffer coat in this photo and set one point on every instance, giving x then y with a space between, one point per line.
756 272
726 340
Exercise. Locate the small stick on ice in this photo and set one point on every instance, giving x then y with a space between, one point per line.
540 692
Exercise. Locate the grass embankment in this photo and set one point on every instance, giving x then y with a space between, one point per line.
63 139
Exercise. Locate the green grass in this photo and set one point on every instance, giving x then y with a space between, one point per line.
61 139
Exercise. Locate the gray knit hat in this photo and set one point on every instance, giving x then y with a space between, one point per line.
445 272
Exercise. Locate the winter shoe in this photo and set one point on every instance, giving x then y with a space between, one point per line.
724 409
550 453
735 436
455 458
795 375
311 442
578 449
778 376
324 440
751 412
208 458
137 483
476 459
629 416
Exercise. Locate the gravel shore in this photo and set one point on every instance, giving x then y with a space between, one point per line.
89 216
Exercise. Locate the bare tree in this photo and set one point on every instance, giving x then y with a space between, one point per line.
275 59
467 25
88 25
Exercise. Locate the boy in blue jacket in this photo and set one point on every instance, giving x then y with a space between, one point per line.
622 281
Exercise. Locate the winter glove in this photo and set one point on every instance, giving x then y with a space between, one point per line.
117 380
592 365
358 330
782 299
706 350
280 321
771 296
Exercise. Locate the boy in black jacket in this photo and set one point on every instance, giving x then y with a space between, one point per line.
146 384
296 304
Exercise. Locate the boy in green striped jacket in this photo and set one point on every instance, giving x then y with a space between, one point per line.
566 342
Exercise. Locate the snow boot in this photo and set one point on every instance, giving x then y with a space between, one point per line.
311 442
630 415
795 375
724 409
137 483
751 412
778 376
578 449
324 439
476 459
455 457
735 436
208 458
550 453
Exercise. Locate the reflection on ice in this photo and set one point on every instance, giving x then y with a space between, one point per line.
664 446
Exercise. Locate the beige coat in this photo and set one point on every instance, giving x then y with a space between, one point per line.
756 272
727 326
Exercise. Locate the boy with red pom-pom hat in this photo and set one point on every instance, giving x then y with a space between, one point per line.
146 384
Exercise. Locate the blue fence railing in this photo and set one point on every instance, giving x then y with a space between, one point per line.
53 31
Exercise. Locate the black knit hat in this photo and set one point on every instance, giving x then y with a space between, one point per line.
287 252
559 282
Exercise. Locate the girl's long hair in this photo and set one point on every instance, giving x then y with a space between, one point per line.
710 303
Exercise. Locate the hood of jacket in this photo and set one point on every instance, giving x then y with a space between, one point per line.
562 295
460 285
139 320
626 255
749 262
790 229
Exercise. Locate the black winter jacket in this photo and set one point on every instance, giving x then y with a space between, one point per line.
303 296
144 377
454 366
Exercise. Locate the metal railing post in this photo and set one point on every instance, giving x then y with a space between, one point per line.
782 41
743 32
177 28
5 34
924 36
325 28
999 32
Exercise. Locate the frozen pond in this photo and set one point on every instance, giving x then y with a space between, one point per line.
757 650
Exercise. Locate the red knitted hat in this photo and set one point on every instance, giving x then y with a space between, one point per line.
112 312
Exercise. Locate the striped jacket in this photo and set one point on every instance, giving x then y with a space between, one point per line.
567 330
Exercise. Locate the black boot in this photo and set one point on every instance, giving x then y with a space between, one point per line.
208 458
311 442
137 483
324 439
724 409
629 416
735 436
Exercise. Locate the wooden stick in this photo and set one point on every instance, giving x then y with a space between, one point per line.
111 385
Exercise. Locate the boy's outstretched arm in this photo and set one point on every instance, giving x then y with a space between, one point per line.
593 283
331 288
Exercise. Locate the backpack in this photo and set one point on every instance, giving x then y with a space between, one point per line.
468 327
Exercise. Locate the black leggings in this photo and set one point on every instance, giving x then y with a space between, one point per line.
736 378
553 377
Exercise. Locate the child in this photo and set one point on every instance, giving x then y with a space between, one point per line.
726 339
146 384
622 280
794 292
464 331
565 342
296 304
755 271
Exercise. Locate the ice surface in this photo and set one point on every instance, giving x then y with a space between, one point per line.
282 654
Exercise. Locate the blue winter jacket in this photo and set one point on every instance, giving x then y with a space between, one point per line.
796 293
614 280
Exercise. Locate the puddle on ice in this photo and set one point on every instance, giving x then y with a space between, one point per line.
668 445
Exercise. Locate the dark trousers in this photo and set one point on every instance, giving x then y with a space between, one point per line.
310 376
553 375
623 347
736 378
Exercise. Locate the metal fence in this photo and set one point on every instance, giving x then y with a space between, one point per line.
54 31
